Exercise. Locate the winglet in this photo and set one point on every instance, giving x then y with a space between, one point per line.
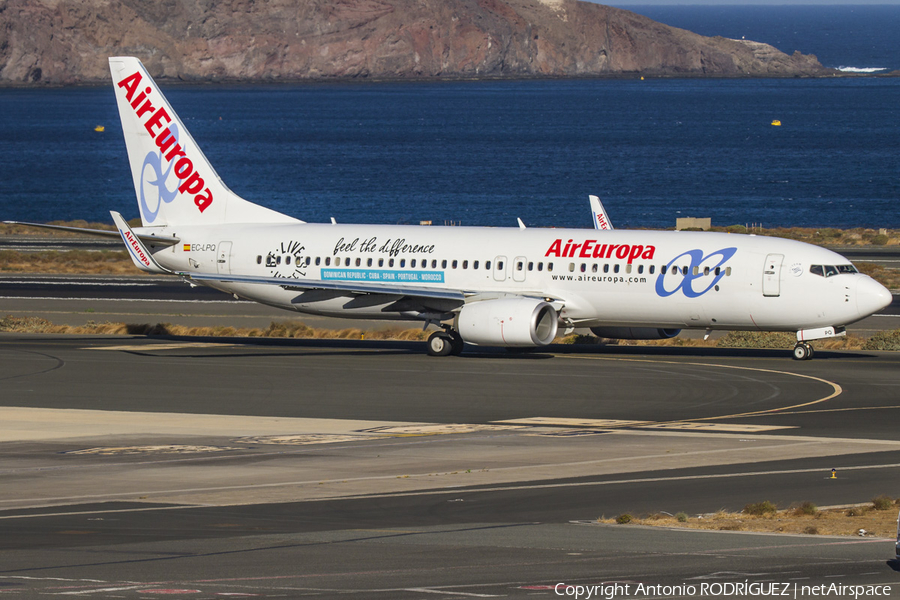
136 249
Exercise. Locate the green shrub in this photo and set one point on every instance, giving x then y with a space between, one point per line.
882 502
624 518
806 508
681 517
880 240
760 508
884 340
777 340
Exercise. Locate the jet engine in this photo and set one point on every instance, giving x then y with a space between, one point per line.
508 322
635 333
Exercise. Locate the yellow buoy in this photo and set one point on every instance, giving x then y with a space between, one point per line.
776 123
99 128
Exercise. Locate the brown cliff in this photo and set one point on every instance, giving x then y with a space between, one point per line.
67 41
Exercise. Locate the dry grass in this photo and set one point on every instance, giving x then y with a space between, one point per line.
803 518
37 231
824 236
276 329
70 262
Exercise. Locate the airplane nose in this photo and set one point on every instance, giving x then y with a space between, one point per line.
871 296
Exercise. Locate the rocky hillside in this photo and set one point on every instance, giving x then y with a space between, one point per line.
67 41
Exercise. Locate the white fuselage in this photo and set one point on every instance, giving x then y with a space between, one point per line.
610 278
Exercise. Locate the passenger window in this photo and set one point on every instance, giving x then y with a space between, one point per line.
540 266
412 264
453 264
684 270
318 260
278 260
369 262
358 262
718 270
695 271
531 266
327 260
641 269
706 270
583 267
615 268
499 265
606 268
434 263
465 264
727 271
487 265
594 268
444 264
652 268
628 268
390 262
259 259
571 267
549 266
475 265
308 260
402 263
380 262
337 261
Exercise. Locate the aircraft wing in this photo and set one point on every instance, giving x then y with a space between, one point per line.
352 287
147 239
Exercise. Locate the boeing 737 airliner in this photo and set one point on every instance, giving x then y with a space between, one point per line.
483 286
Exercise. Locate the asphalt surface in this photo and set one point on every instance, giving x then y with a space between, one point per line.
427 513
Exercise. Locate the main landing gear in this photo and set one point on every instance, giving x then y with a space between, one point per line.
444 342
803 351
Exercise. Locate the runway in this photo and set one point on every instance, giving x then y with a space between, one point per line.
286 468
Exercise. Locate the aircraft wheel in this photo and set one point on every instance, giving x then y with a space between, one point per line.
803 352
439 344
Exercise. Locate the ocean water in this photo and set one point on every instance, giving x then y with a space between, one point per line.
484 153
853 37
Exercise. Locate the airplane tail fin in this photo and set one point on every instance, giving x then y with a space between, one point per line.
173 180
601 221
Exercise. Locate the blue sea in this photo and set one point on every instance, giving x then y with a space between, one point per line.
484 153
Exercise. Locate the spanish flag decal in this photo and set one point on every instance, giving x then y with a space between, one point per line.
187 247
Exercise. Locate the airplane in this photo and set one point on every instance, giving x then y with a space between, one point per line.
598 214
512 287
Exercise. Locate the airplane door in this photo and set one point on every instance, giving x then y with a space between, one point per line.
772 275
223 258
500 268
518 267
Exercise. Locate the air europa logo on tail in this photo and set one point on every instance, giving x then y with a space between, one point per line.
166 140
591 249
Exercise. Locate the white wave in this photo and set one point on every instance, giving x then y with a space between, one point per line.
861 69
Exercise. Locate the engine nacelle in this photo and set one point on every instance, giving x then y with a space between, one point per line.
635 333
508 322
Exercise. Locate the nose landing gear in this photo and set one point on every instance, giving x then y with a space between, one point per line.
803 351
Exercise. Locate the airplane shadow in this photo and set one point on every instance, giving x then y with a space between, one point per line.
323 347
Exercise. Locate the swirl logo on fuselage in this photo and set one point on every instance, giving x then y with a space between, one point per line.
701 270
155 182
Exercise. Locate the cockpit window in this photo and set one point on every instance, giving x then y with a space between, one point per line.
831 270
